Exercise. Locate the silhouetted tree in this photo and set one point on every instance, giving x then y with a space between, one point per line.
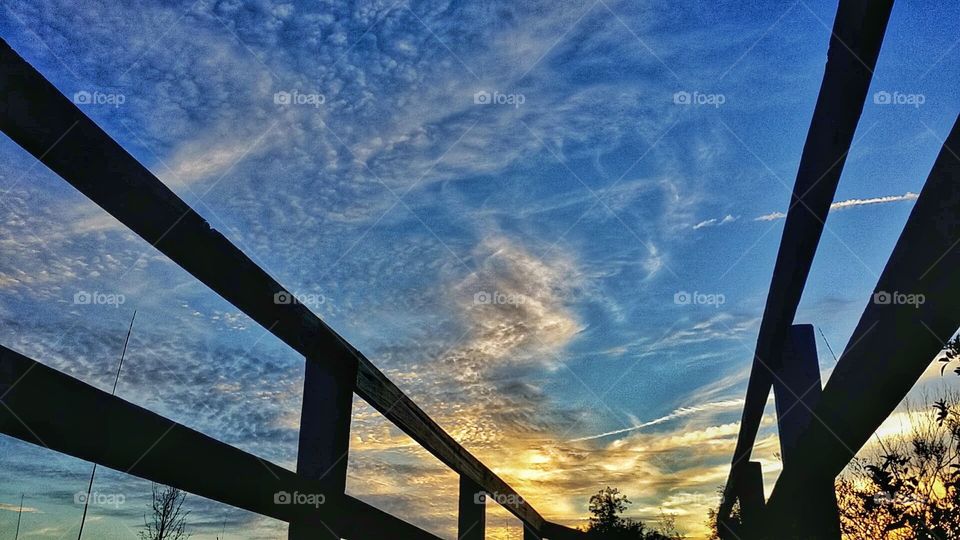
606 523
912 489
168 519
606 507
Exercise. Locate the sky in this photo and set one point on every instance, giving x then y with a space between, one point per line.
552 224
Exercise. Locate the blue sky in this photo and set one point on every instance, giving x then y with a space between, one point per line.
434 156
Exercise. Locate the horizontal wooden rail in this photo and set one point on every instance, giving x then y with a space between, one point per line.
555 531
35 115
43 406
913 312
858 32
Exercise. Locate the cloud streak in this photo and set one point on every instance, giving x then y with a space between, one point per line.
677 413
849 203
715 222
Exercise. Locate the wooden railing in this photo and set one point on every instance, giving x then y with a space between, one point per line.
892 344
35 115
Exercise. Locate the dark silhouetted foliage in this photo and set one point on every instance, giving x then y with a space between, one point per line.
912 489
607 523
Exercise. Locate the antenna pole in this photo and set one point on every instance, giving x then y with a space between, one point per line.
19 515
93 472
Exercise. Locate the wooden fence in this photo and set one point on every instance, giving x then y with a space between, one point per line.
820 432
49 408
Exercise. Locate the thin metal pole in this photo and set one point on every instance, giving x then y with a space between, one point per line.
19 515
828 344
93 472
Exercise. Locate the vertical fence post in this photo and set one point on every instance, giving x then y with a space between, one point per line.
797 389
325 438
471 521
748 490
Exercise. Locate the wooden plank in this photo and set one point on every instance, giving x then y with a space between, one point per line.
45 407
35 115
797 389
555 531
912 313
749 488
471 511
325 417
858 32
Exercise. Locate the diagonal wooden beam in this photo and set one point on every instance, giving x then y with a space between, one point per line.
43 406
851 58
35 115
910 316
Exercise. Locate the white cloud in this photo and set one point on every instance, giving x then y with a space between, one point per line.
773 216
908 196
849 203
16 508
716 222
706 223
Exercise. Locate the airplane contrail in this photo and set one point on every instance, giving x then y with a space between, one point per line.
849 203
677 413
